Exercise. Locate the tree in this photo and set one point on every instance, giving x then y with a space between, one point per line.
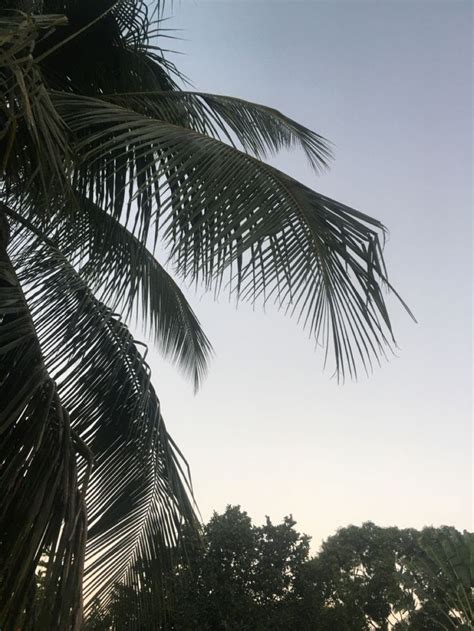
369 577
358 576
102 157
245 575
242 576
442 575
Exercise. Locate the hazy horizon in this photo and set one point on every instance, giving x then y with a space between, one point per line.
390 85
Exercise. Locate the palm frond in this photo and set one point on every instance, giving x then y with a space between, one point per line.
138 490
445 562
227 215
33 141
258 129
135 18
124 274
112 40
42 509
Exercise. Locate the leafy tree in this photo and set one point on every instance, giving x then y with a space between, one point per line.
102 156
357 575
247 572
386 578
242 576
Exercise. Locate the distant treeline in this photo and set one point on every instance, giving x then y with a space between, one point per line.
242 577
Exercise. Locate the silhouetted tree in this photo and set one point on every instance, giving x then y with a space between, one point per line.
244 577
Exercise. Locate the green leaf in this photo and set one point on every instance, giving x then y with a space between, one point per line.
227 216
260 130
125 275
138 494
42 509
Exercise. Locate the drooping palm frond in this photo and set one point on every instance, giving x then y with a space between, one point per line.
42 500
138 490
226 214
126 276
258 129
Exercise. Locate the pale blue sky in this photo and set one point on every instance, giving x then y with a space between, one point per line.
390 83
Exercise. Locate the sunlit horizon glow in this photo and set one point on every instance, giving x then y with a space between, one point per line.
390 85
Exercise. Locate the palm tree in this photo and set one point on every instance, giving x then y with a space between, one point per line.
102 157
443 575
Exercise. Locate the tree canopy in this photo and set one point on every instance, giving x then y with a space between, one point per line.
243 577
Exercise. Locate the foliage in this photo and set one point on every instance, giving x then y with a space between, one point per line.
102 157
239 576
244 577
443 577
382 578
358 570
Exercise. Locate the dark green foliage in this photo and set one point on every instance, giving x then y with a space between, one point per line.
442 575
245 577
360 568
372 577
238 577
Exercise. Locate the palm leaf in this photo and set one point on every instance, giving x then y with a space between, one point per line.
227 215
33 142
42 502
445 562
260 130
138 492
125 274
106 35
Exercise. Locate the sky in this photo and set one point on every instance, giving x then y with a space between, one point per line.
390 84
